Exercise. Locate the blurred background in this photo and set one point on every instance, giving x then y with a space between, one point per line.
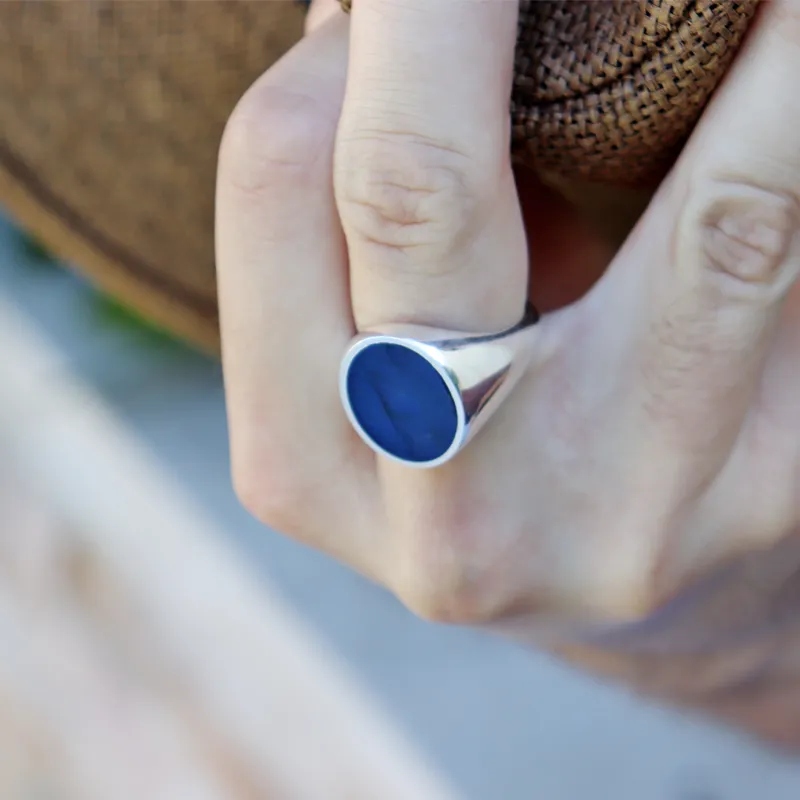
500 723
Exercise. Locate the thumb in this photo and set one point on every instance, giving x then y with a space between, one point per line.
423 176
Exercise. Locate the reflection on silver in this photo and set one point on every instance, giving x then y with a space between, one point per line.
479 370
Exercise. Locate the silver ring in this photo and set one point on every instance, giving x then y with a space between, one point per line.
417 395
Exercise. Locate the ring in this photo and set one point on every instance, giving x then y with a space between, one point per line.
417 394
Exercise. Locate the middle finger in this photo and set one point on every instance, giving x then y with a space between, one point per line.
423 173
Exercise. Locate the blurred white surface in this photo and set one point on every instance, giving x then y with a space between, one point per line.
502 723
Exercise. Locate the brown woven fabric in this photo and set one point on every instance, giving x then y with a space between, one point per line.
111 113
609 91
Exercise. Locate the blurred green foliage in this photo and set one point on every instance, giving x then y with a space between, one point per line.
35 253
108 311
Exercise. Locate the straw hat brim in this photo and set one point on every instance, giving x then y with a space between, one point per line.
111 115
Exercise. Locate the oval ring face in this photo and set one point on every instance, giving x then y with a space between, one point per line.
401 402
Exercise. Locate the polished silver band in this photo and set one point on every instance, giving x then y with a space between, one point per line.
417 394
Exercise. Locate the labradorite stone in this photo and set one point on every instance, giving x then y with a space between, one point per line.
402 402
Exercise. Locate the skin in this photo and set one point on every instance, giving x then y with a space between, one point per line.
634 505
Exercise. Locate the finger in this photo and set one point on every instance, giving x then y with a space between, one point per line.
664 358
423 177
284 303
696 294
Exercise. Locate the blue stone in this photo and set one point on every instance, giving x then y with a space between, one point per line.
402 402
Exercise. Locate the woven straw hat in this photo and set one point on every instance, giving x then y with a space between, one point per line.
111 113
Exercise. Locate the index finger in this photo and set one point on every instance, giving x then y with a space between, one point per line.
284 306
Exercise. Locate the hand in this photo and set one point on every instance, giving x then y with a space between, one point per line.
366 179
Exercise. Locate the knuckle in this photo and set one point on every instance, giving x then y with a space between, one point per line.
631 600
271 496
621 547
274 137
745 233
449 575
401 191
449 600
